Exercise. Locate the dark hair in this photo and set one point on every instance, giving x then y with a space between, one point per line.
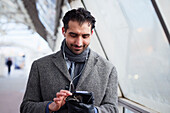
80 15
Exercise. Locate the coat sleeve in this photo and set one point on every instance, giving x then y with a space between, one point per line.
32 101
110 100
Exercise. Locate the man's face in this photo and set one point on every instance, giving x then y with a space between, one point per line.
77 36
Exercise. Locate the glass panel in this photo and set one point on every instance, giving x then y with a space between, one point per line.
148 64
136 44
47 12
164 8
128 111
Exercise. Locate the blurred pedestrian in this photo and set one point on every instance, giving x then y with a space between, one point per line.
9 64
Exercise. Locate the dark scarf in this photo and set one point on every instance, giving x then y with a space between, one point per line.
74 57
78 59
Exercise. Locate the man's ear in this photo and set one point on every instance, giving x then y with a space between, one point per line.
63 31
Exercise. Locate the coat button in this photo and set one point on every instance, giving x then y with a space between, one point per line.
67 87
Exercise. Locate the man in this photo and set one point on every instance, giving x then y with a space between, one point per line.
9 64
74 68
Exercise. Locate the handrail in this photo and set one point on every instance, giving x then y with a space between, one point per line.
134 107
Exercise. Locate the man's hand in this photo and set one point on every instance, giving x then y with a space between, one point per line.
59 101
81 102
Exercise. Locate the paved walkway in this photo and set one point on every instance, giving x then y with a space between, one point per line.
12 89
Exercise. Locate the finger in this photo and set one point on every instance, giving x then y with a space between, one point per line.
64 93
57 102
57 99
68 93
59 94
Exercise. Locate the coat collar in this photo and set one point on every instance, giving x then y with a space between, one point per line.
60 62
91 62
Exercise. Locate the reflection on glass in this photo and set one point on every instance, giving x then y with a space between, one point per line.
135 43
46 12
148 64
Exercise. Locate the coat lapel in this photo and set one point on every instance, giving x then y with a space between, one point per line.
91 62
59 61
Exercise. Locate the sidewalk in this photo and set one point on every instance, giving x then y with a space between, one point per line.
12 89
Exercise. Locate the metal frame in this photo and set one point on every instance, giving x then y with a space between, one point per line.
30 6
161 19
133 106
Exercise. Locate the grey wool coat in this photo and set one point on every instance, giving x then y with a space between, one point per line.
49 75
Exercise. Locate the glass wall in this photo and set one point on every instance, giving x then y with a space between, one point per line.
135 42
164 9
